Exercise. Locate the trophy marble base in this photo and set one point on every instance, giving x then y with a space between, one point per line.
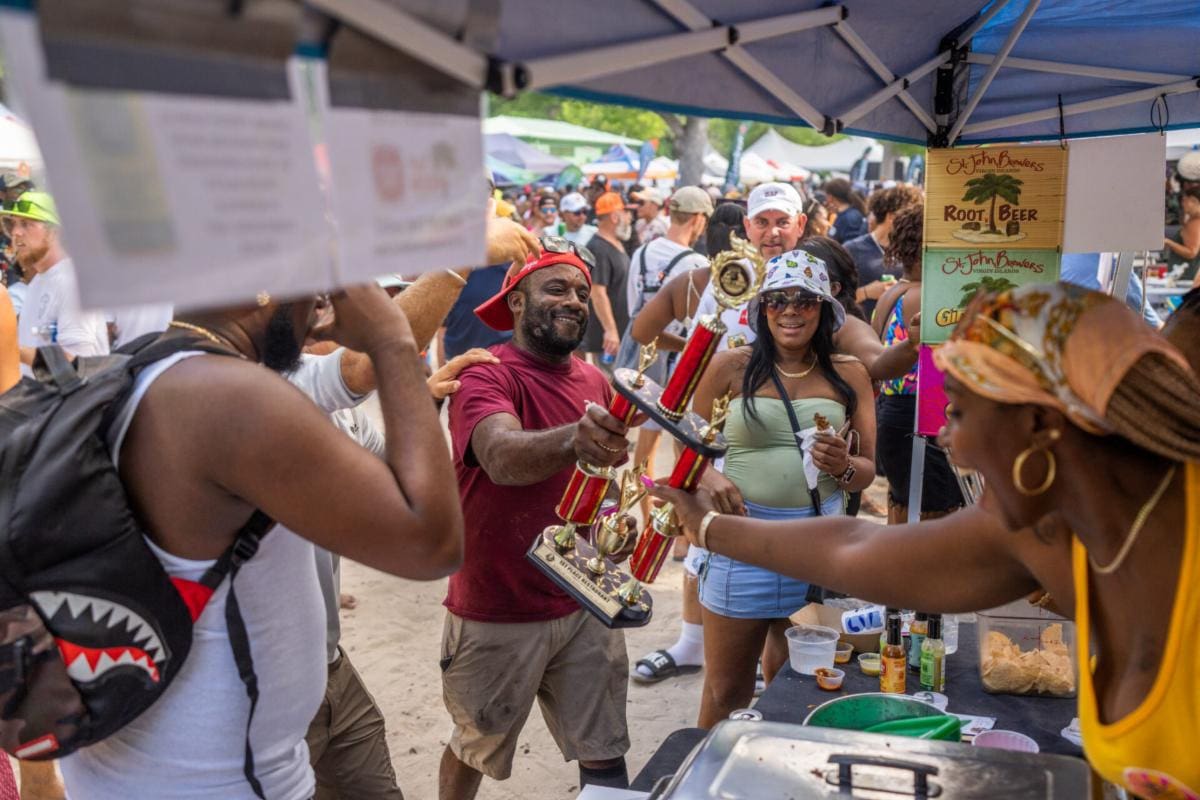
600 595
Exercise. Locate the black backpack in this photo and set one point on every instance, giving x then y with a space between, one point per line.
92 629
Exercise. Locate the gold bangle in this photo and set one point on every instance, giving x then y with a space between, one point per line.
702 534
461 280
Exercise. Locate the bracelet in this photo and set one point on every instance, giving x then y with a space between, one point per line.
461 280
702 534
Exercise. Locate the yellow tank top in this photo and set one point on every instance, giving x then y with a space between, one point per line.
1154 751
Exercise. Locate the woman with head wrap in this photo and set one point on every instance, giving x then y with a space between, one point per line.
1083 422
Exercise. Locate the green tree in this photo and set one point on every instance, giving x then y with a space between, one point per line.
989 187
988 285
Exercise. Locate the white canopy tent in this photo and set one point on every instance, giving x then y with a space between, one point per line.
839 156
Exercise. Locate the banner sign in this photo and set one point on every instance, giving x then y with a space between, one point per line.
951 278
995 197
993 222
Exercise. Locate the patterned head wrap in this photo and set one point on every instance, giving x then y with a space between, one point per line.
1060 346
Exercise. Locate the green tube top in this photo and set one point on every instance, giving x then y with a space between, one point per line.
763 460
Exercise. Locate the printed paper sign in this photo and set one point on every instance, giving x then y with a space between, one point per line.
951 278
408 191
195 200
994 197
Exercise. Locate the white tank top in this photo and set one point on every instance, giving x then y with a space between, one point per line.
190 744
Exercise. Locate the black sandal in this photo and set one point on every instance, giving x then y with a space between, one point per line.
662 666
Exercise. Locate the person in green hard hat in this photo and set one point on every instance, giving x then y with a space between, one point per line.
51 313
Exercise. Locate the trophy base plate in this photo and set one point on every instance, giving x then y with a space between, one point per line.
598 594
688 429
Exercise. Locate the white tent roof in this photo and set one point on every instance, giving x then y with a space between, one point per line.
553 130
839 156
1179 142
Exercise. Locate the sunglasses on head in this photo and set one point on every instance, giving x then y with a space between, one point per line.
21 206
557 244
778 301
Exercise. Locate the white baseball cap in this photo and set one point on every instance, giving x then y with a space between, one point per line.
651 194
774 197
1189 166
573 203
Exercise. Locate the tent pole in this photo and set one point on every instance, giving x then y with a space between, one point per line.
887 92
855 43
410 35
984 19
990 75
1104 73
1182 87
691 18
614 59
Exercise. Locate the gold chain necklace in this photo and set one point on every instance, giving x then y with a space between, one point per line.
1139 522
206 333
811 367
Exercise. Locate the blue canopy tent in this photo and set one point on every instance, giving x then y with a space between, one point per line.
934 71
617 160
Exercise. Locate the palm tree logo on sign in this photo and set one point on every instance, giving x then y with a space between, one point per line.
993 187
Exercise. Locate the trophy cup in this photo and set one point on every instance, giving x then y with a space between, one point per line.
618 599
583 568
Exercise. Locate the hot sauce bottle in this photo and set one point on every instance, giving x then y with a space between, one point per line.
933 657
893 671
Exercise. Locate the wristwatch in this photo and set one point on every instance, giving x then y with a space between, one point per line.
848 475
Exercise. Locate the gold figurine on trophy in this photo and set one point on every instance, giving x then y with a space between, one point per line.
615 529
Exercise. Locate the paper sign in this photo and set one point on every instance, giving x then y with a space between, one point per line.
1115 194
931 394
951 278
190 199
994 197
408 191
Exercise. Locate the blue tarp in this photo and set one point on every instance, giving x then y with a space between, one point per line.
1162 36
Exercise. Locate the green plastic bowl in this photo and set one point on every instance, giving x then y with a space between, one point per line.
857 712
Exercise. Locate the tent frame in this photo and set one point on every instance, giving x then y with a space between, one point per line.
701 34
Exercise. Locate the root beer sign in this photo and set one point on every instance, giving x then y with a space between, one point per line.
993 221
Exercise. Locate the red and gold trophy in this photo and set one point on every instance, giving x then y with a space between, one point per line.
620 599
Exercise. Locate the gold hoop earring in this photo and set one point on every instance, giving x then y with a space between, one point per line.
1019 466
263 299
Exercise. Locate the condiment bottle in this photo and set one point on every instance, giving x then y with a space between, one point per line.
916 634
933 657
888 614
892 661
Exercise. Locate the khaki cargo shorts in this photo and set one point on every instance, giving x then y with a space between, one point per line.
491 673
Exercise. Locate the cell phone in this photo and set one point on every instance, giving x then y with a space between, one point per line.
888 278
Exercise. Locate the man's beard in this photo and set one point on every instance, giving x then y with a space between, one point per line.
538 324
281 348
624 231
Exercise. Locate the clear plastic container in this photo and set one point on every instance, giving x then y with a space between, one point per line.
1025 650
811 647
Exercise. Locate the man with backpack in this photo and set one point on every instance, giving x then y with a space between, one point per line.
652 265
210 448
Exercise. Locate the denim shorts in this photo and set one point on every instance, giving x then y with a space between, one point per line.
742 591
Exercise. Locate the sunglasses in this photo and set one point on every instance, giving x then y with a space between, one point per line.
557 244
21 206
778 301
549 209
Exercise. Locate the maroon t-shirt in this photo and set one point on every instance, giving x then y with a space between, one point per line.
496 583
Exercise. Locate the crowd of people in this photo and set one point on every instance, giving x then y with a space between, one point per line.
1097 448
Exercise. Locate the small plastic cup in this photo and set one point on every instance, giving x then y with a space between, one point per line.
842 653
830 678
869 663
1006 740
811 647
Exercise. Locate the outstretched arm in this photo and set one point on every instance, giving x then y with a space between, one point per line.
967 560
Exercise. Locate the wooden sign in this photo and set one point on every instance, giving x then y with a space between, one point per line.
995 197
950 279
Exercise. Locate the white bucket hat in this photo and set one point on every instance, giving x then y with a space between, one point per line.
797 269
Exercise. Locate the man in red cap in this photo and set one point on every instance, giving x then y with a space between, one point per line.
517 428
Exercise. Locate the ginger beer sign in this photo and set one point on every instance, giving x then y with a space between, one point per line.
996 197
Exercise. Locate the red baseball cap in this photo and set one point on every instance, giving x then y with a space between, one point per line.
495 312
